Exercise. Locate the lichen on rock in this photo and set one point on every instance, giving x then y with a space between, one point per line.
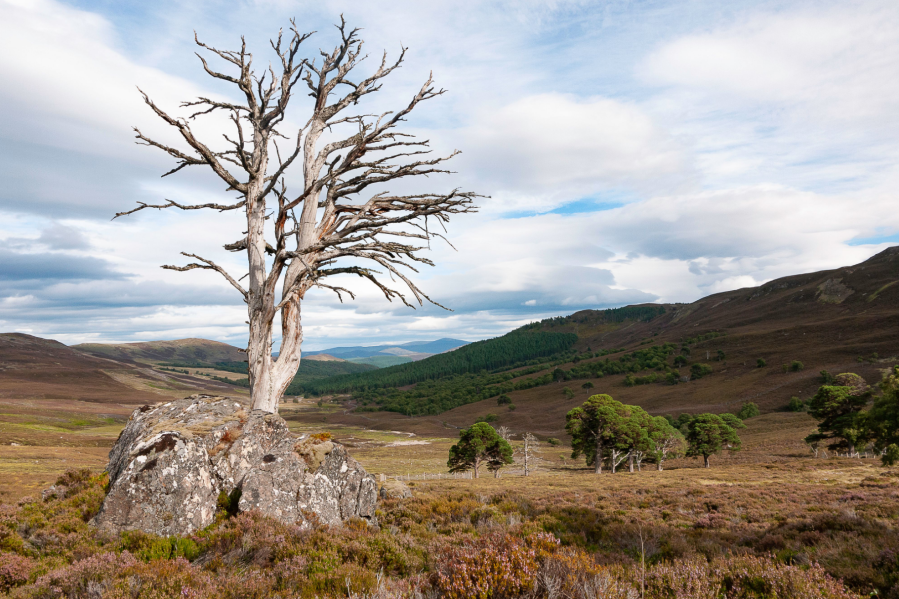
173 460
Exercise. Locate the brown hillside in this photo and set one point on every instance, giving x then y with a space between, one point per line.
43 369
323 358
180 350
827 320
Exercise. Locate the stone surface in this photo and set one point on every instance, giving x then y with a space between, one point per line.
172 461
395 489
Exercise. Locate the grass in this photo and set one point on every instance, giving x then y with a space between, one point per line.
815 529
767 521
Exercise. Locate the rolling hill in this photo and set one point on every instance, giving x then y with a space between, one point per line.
35 368
842 320
181 350
390 355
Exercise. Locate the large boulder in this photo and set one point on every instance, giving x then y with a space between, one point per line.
173 460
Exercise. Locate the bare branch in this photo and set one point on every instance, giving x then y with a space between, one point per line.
171 204
207 265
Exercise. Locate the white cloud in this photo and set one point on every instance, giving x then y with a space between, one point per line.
554 147
839 62
762 146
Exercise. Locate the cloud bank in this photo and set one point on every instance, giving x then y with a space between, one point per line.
631 154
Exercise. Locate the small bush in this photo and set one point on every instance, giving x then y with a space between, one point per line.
890 457
761 363
568 392
680 361
511 407
796 405
553 441
14 570
588 385
749 410
491 566
487 418
826 378
697 371
796 366
672 378
503 400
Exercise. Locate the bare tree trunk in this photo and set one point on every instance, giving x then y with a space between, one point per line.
477 464
706 458
659 465
336 220
527 457
630 462
598 463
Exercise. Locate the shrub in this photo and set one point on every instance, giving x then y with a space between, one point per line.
503 400
14 570
553 441
761 363
588 385
796 366
680 361
697 371
487 418
511 407
568 392
749 410
826 378
890 456
796 405
672 378
492 566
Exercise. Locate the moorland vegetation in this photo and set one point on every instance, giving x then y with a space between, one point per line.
748 535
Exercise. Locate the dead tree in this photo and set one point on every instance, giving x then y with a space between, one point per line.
334 222
527 455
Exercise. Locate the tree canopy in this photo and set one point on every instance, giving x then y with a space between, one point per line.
837 407
708 434
605 429
479 444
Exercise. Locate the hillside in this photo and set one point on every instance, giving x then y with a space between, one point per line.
35 368
842 320
389 355
180 350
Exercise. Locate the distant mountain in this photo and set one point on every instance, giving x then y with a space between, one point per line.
179 350
322 358
415 350
379 361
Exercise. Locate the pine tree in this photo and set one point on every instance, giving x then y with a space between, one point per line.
837 407
479 444
708 434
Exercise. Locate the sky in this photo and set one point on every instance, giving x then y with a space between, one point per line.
632 151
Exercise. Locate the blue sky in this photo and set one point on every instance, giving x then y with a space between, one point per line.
633 152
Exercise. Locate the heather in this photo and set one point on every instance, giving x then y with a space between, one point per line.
832 533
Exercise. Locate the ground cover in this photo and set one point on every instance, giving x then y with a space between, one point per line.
769 519
813 528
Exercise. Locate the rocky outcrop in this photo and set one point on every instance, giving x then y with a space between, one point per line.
395 489
173 461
